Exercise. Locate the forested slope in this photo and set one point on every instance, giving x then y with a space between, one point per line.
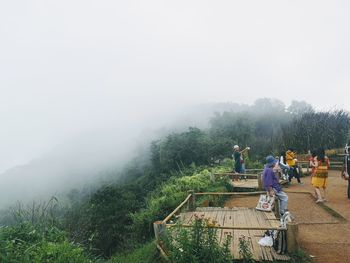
103 223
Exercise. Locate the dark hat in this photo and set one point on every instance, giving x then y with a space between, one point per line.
270 161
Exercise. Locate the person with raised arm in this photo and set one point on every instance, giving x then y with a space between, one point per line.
237 156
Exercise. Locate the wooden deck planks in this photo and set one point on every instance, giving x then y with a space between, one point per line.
249 183
255 248
228 221
240 217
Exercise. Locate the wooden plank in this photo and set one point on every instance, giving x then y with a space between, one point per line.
227 221
241 222
235 237
254 175
249 183
262 222
186 217
237 222
256 251
220 218
270 217
264 252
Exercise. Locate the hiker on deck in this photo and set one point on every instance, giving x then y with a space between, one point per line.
272 185
312 164
292 163
345 172
284 166
320 177
238 158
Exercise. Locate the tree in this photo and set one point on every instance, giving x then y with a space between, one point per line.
298 108
317 129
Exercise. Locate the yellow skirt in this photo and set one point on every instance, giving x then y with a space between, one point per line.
319 181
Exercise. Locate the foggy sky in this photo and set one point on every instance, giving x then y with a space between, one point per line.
68 68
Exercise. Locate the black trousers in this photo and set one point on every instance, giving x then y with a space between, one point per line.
293 172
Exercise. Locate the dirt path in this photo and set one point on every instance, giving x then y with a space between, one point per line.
321 233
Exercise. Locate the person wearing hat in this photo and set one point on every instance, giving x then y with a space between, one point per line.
238 158
272 185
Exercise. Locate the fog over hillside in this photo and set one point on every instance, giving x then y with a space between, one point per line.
99 155
85 159
85 85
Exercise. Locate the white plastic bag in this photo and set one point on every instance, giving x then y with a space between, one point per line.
266 241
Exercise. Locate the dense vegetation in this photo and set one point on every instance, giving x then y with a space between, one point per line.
117 217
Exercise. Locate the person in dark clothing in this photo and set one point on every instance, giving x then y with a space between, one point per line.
272 185
346 168
238 158
292 163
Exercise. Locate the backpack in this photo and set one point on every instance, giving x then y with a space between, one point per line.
280 242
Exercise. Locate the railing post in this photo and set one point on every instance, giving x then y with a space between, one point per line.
159 231
260 183
212 177
292 237
277 208
192 201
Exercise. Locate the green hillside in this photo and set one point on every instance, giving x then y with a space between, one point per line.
114 222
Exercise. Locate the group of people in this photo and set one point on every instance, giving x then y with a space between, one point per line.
286 165
319 164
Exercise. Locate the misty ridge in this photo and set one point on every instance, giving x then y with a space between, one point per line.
99 157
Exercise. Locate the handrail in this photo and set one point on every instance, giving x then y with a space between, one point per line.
231 173
231 193
231 227
176 209
332 162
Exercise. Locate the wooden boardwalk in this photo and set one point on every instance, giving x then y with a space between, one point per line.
240 218
249 183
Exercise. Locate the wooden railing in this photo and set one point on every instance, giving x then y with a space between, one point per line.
333 165
190 203
160 227
236 176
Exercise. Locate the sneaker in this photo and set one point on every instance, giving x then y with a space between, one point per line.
301 183
319 201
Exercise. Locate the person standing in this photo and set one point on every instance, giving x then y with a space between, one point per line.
285 168
345 172
272 185
312 164
237 155
292 163
320 177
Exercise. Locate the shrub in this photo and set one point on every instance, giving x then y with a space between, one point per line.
28 243
168 197
147 253
198 244
244 249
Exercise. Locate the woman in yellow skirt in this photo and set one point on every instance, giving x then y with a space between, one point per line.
320 176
